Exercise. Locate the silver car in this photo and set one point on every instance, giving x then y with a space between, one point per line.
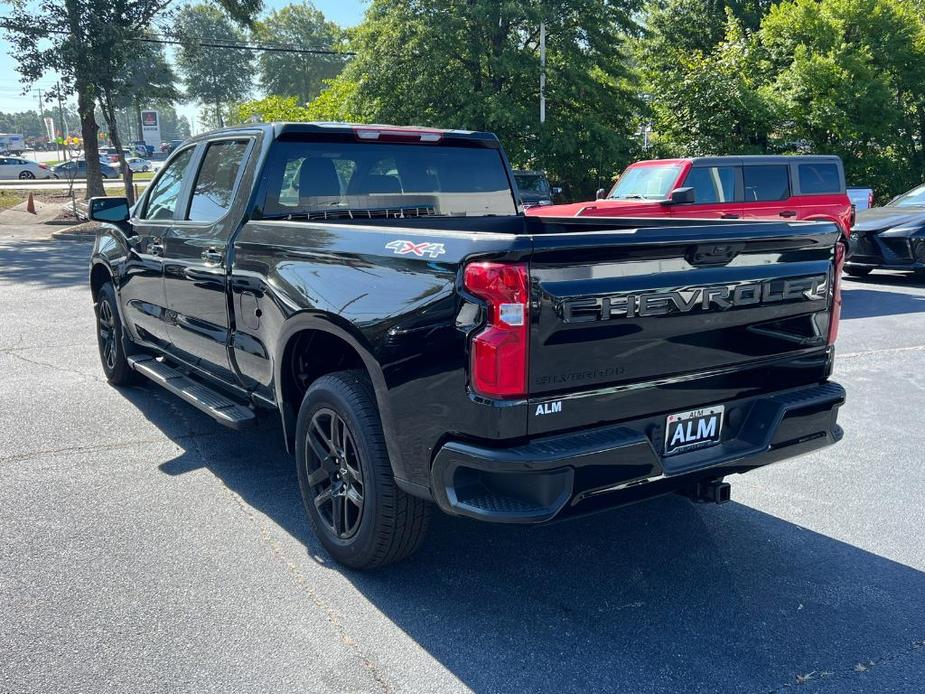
17 167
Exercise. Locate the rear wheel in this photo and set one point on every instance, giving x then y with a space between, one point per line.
26 175
353 504
858 271
111 339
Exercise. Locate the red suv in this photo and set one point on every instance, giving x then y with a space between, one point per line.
753 187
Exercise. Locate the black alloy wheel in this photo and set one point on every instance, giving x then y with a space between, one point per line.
108 337
353 503
335 474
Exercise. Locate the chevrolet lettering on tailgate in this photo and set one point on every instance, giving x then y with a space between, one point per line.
711 298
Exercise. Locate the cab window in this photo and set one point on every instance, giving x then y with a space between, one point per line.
771 182
162 200
712 184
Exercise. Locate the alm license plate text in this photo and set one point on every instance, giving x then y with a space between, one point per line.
686 431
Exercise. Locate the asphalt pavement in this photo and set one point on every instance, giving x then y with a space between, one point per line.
144 548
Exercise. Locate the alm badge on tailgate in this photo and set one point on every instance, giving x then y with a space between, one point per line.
686 431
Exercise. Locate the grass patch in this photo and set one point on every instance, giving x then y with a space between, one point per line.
8 198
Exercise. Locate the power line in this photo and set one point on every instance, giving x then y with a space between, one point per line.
7 23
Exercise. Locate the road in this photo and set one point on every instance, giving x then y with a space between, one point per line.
146 549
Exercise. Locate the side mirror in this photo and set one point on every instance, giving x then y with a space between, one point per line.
557 190
601 193
681 196
108 210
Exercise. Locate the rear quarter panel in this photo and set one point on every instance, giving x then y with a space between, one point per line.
398 309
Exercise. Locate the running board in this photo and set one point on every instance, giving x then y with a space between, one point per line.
217 406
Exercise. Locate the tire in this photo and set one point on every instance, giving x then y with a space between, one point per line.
26 175
858 271
386 524
113 346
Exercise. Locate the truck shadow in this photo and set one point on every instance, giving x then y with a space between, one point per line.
663 596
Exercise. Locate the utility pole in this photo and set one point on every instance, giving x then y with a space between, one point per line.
62 125
542 72
35 154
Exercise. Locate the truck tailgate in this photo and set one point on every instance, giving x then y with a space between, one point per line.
650 320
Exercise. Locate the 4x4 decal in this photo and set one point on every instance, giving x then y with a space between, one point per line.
402 247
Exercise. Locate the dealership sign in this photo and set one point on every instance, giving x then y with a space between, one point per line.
151 127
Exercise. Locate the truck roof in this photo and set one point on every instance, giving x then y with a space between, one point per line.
744 159
282 129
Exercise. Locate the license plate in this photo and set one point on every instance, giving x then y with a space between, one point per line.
686 431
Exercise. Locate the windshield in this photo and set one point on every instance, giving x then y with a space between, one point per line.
528 183
321 180
646 182
912 198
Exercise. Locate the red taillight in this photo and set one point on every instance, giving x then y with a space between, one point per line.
43 166
835 317
870 199
499 351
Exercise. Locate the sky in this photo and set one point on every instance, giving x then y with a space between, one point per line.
344 12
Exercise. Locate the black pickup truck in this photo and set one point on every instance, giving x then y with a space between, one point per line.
424 342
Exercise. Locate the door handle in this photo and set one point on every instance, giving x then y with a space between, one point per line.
729 216
788 213
212 256
156 248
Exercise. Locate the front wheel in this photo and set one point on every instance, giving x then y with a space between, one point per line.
111 339
353 504
858 271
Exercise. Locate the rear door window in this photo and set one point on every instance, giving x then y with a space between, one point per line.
817 179
215 183
766 182
712 184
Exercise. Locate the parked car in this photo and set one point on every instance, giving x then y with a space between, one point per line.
109 155
861 198
141 149
137 164
168 147
17 167
77 168
534 188
753 187
891 237
424 343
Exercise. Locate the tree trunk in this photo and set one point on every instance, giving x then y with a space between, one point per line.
109 112
218 115
141 130
89 131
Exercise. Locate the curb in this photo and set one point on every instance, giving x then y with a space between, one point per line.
67 235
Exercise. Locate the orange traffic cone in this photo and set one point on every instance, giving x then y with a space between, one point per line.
30 205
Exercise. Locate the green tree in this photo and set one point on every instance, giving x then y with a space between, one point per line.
475 64
88 42
268 110
301 75
707 101
215 76
847 80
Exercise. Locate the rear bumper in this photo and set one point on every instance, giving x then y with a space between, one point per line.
584 471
